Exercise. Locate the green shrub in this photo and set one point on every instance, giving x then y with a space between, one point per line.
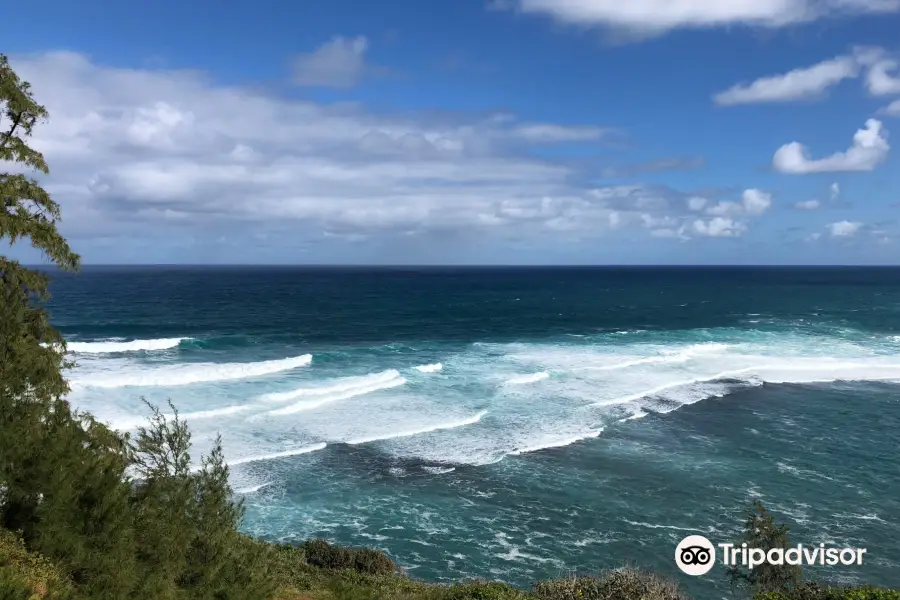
27 575
374 562
816 592
13 587
622 584
481 590
320 553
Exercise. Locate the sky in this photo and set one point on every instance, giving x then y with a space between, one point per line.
469 131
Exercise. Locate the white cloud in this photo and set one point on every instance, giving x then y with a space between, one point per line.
653 17
835 191
670 233
551 133
719 227
753 202
803 83
808 205
892 109
756 202
696 202
166 157
882 78
339 63
870 148
844 228
725 208
615 219
813 82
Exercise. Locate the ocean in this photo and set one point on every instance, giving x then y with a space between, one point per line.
518 423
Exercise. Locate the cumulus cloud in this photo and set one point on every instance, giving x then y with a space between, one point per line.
844 229
870 148
719 227
799 84
753 202
668 232
892 109
339 63
653 17
835 191
156 158
808 205
756 202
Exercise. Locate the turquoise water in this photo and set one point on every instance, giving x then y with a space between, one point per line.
519 423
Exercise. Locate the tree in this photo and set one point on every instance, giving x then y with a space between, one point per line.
32 356
119 518
761 531
61 472
32 353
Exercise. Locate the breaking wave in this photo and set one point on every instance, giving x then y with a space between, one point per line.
189 373
319 396
442 426
113 346
341 386
596 382
274 455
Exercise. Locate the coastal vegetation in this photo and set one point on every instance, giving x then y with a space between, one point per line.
87 512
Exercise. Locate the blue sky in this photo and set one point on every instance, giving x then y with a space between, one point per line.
472 131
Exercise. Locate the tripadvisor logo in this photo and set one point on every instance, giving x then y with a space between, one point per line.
696 555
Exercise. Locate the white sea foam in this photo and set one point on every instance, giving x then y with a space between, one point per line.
596 381
274 455
322 398
429 429
252 488
343 386
438 470
187 373
129 423
554 442
111 346
529 378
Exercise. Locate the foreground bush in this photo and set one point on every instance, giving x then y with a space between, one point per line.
320 553
27 576
481 590
623 584
816 592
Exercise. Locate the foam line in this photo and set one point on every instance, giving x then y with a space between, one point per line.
132 423
352 392
391 436
274 455
342 386
558 443
110 346
189 373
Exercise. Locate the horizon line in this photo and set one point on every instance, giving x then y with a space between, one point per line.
477 265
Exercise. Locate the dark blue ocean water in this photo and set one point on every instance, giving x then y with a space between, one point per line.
519 423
